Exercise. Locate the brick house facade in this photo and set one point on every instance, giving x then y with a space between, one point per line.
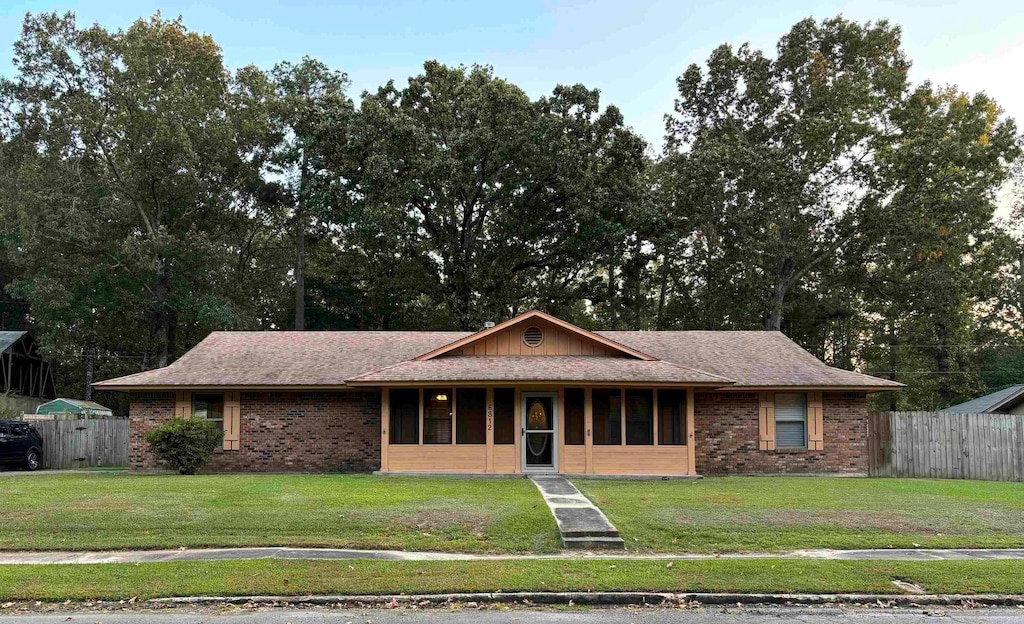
279 432
727 434
340 432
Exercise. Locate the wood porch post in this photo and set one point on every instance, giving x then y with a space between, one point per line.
490 429
518 423
560 410
690 439
454 405
588 426
385 425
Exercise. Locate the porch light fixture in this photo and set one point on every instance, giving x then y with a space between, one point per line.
441 397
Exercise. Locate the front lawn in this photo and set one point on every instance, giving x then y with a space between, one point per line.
124 511
295 578
728 514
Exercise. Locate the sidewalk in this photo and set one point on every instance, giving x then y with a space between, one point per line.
234 554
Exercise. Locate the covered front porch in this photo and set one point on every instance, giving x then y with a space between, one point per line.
529 429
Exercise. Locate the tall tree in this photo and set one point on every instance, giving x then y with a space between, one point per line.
936 265
767 161
495 192
313 113
138 147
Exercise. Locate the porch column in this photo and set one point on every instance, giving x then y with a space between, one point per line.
690 440
560 428
490 429
385 425
588 427
518 423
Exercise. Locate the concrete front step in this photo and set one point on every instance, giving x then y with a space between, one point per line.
613 532
581 524
593 543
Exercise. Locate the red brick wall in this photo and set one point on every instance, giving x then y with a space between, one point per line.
726 431
280 432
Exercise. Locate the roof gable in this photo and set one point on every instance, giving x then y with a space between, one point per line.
550 336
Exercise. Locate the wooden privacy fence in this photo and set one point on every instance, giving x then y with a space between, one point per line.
84 443
935 445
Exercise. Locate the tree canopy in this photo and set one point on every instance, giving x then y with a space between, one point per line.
151 195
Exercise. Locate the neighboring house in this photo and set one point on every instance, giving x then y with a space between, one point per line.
532 394
1006 401
26 378
77 407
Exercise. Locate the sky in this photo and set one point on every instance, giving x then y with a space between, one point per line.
631 50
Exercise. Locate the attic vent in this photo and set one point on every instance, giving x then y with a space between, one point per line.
533 336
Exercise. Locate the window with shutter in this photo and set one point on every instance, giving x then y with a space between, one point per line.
790 420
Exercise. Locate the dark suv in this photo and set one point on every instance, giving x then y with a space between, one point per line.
20 443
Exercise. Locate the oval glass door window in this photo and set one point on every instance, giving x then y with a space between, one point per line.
538 416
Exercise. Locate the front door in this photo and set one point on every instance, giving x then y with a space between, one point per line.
540 424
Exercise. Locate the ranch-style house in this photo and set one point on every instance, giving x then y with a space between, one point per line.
534 394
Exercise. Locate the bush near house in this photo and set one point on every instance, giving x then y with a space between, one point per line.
186 445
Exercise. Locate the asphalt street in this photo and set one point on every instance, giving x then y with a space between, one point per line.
748 615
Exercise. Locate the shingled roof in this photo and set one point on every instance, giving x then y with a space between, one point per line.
318 360
542 368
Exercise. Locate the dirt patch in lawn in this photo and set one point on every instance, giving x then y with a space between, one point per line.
847 519
445 520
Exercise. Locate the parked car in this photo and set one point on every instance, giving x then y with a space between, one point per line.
20 443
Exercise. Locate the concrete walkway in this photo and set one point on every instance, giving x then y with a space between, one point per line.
581 524
235 554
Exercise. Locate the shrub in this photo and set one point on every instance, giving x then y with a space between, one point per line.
185 445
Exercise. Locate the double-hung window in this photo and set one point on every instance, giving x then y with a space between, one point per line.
790 420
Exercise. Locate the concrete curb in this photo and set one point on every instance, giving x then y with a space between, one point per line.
606 599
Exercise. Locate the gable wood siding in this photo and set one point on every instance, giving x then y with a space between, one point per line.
278 432
557 341
728 437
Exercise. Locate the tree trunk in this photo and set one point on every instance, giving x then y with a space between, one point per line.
892 366
162 314
662 289
942 365
90 368
300 246
776 299
300 274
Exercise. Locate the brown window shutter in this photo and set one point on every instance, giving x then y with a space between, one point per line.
766 421
183 404
232 421
815 422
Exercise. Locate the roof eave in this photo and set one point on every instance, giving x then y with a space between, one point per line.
405 383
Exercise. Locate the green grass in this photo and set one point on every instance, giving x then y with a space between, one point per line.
124 511
777 513
271 577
